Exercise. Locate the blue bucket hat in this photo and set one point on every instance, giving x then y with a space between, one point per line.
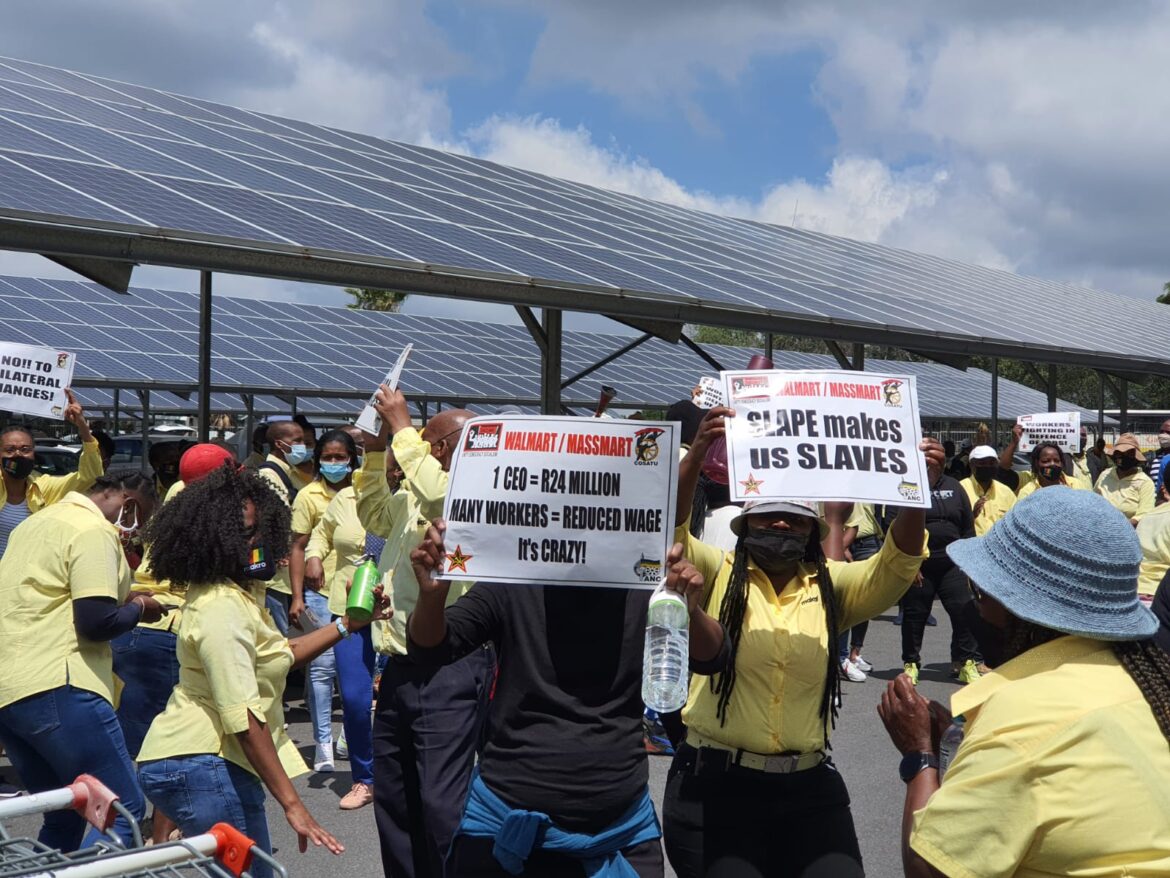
1065 559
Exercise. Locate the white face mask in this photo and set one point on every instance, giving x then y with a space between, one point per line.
127 528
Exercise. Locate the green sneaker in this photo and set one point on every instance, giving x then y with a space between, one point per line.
911 669
969 673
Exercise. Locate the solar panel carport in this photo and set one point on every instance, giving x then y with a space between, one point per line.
102 175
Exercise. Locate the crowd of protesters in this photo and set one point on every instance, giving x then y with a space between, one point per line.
499 729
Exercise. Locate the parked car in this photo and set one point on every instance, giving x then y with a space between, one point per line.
128 449
57 460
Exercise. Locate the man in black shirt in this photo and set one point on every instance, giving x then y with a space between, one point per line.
565 726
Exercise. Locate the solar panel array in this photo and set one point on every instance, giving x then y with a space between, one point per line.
80 151
150 337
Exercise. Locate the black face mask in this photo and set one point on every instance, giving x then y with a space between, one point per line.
261 565
168 473
1051 473
18 467
1125 464
774 550
984 474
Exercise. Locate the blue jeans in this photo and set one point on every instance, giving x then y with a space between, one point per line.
54 736
355 679
145 660
199 791
277 603
322 669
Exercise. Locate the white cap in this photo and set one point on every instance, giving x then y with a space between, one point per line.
983 452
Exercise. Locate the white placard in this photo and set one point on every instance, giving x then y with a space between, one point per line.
825 436
562 501
1062 428
710 393
369 420
33 380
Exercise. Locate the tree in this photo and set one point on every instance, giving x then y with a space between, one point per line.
1165 297
366 299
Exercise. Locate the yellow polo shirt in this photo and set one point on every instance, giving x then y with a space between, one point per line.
162 591
232 663
784 647
45 490
402 519
307 512
67 552
1000 500
1154 534
1081 470
1132 494
280 581
340 538
1029 484
864 518
1063 771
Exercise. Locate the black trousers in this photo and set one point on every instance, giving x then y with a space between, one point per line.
472 858
779 825
427 726
950 585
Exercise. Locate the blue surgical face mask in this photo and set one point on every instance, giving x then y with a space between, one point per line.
335 472
297 454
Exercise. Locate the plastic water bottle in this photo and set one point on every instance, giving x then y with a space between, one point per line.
948 746
665 658
360 605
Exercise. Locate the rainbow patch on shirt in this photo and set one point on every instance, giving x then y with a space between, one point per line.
257 558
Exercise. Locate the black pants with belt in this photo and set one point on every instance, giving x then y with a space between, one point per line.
427 726
951 586
747 823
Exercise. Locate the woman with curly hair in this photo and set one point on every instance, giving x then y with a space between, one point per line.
222 733
65 589
754 780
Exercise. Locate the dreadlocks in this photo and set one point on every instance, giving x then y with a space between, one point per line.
1149 666
731 615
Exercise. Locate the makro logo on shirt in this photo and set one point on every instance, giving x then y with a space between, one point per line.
484 439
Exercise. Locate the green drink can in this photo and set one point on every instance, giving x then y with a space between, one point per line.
360 606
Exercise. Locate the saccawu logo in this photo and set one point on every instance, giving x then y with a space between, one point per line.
484 438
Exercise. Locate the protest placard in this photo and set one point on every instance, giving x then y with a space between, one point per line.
1060 428
369 420
825 436
562 500
33 380
710 393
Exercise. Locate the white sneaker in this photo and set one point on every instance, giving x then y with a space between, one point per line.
323 758
863 664
852 673
342 749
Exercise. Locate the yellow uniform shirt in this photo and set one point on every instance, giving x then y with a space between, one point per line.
162 591
1029 484
402 519
1063 771
307 512
339 536
45 490
67 552
1154 534
784 647
864 518
1132 494
1081 471
280 581
1000 499
232 662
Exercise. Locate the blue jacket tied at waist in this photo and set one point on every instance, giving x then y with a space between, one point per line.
518 832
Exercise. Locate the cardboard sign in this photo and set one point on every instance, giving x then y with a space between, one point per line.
33 380
825 436
369 420
1061 428
562 501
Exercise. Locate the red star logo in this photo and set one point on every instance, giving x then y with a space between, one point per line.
457 560
751 486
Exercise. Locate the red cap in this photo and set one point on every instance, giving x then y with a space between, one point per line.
201 460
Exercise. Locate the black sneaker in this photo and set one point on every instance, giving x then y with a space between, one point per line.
9 791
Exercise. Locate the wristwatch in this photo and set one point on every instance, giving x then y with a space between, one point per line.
914 763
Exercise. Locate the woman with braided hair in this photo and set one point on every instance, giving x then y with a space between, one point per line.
1064 760
753 779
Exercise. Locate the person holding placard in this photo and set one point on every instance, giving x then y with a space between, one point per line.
1047 467
754 778
1125 485
990 499
561 785
23 491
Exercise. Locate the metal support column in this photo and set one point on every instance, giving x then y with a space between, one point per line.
1100 404
859 357
550 362
1123 404
245 444
769 345
995 401
117 409
144 398
294 406
204 355
1051 385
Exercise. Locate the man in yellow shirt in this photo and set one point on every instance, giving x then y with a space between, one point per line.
1125 485
1062 762
426 722
990 499
281 471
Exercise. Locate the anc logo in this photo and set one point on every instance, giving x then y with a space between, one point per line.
62 361
648 570
910 491
646 446
892 391
484 439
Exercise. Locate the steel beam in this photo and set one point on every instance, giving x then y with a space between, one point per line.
995 401
605 361
550 362
204 355
710 360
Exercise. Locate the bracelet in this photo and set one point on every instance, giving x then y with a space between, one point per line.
342 630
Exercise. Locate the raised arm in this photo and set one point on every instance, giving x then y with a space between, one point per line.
710 427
